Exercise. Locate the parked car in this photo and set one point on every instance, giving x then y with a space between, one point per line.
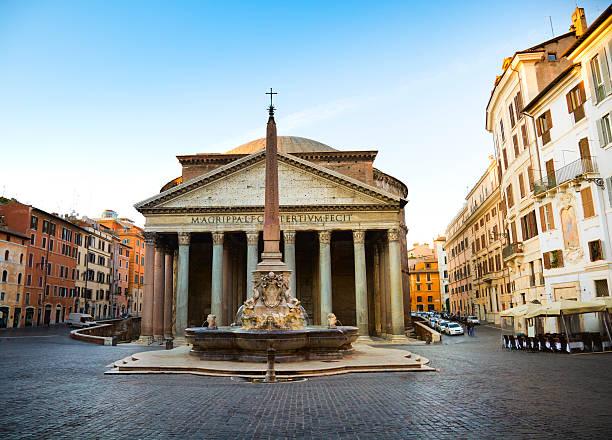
473 320
442 325
80 320
453 329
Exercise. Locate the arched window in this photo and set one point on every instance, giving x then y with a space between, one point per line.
6 255
4 275
19 279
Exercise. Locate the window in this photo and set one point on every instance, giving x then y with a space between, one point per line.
19 277
419 299
552 56
595 250
601 288
428 286
598 82
530 178
6 255
521 185
604 130
588 208
505 156
543 126
418 277
418 287
511 113
4 276
546 217
553 259
529 226
501 130
524 136
34 222
518 105
575 100
509 196
516 146
430 299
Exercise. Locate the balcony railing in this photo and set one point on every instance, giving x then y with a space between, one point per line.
565 174
512 250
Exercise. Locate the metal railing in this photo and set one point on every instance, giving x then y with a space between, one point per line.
565 174
511 250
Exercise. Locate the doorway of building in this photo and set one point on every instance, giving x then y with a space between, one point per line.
29 317
47 319
58 312
16 317
4 314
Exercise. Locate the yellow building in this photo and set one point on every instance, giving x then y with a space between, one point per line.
425 285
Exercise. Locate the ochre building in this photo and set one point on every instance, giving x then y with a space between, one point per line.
343 237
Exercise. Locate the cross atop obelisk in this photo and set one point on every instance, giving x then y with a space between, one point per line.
271 256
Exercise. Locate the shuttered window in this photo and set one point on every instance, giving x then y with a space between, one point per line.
588 208
575 100
516 146
521 185
524 136
543 126
509 196
546 217
530 178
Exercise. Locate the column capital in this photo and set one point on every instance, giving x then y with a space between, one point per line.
252 238
217 237
184 238
358 236
393 234
325 237
289 237
150 237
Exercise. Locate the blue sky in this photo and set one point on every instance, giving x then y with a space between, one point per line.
98 97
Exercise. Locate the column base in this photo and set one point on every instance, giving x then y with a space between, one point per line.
397 339
158 339
145 340
179 341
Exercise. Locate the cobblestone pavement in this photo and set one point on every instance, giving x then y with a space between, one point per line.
52 387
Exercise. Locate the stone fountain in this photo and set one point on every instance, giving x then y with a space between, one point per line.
272 318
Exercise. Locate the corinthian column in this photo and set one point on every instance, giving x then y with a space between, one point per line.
395 281
158 293
325 284
182 283
252 242
147 309
361 286
216 307
168 288
290 258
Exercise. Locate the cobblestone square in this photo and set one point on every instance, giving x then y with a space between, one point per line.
54 387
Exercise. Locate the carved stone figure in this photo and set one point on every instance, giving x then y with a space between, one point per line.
212 322
331 320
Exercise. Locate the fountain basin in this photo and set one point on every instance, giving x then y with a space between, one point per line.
238 344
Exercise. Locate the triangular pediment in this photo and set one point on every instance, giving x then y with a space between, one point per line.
242 184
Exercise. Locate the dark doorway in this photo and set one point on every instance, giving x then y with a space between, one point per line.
47 319
4 314
16 317
29 317
58 312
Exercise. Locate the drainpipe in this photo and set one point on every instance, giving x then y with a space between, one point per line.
536 144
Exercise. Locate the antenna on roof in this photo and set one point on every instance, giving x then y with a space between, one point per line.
552 31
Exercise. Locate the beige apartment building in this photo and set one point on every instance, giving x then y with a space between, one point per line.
516 141
478 280
459 255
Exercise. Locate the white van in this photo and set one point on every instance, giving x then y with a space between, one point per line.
80 320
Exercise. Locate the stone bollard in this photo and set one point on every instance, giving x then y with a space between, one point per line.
169 344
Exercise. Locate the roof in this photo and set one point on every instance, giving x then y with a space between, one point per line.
550 86
12 232
286 144
598 21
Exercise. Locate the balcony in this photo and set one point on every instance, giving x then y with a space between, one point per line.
512 251
574 170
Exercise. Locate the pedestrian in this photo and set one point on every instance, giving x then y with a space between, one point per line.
469 328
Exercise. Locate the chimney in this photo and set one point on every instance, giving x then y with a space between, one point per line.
579 23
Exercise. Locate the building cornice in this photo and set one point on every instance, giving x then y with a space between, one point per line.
260 209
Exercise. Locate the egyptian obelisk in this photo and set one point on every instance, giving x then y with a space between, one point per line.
271 257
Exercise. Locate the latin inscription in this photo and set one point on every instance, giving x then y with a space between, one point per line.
259 218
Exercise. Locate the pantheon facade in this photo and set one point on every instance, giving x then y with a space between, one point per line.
343 238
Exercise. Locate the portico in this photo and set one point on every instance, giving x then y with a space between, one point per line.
343 240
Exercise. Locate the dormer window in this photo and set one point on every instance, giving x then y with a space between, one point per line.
552 56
